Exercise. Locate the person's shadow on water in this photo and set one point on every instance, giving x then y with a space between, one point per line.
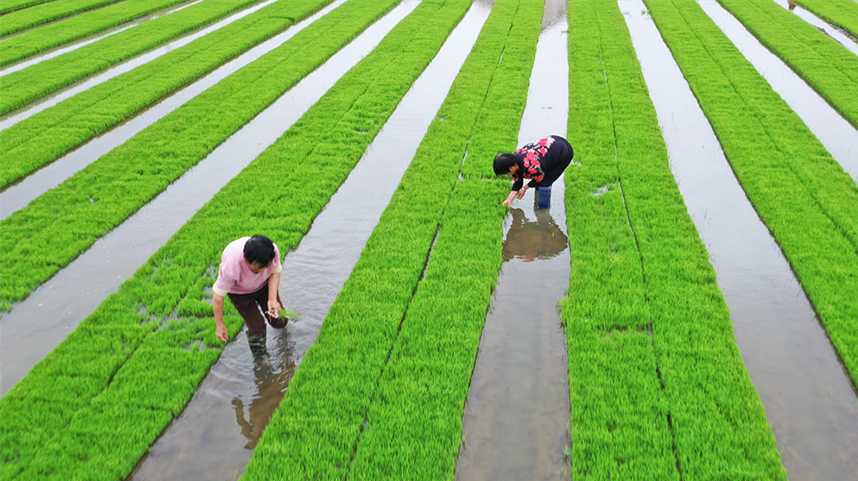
532 240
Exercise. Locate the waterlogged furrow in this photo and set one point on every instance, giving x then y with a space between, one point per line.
25 86
49 12
46 37
316 431
658 389
46 136
825 64
841 13
802 195
106 192
150 344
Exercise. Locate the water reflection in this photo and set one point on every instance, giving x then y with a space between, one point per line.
530 240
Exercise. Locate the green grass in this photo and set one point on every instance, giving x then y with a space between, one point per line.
658 388
32 83
804 197
7 6
48 135
46 37
827 66
400 355
110 388
68 219
48 12
840 13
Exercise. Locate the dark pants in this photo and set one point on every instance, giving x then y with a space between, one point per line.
253 308
560 157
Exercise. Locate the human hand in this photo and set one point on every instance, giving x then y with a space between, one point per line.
522 191
274 308
507 202
221 332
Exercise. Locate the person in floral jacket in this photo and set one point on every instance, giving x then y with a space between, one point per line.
540 162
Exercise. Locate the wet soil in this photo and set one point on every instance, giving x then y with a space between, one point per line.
215 434
88 40
837 135
844 38
516 423
22 193
36 325
808 398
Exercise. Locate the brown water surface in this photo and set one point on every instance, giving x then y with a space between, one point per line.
213 437
808 398
37 324
516 423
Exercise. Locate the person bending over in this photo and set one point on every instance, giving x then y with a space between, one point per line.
540 162
250 275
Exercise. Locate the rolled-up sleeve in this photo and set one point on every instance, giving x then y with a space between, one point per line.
224 282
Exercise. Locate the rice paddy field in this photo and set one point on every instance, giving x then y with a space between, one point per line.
686 308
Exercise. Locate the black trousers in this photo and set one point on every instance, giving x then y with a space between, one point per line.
559 157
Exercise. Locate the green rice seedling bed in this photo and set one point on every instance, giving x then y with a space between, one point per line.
827 66
69 218
44 78
26 44
46 136
389 420
658 388
804 197
133 364
49 12
840 13
7 6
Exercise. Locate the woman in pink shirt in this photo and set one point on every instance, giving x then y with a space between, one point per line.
250 275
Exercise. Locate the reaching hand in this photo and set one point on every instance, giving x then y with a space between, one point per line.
522 191
221 332
507 202
274 308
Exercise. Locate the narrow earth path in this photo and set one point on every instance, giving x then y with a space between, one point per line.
517 413
22 193
836 134
215 434
62 302
808 397
842 37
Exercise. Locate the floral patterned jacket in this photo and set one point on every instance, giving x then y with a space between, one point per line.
530 163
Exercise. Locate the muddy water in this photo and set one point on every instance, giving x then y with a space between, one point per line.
128 66
19 195
213 437
37 324
844 38
808 398
516 423
837 135
86 41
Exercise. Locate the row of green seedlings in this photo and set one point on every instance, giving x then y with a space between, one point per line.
400 341
49 12
658 387
840 13
805 198
827 66
48 135
39 80
7 6
93 406
40 39
68 219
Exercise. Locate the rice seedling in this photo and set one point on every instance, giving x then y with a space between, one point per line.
32 83
7 6
801 193
153 339
829 67
840 13
37 40
658 388
48 12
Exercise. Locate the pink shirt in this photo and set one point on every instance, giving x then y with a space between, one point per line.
235 276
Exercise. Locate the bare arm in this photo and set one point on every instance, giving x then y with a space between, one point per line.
220 327
273 285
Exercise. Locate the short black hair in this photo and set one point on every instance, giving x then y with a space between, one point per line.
259 249
503 162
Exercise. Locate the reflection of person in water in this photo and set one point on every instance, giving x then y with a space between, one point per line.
530 240
791 5
540 162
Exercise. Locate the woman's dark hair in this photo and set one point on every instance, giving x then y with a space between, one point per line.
503 162
259 249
